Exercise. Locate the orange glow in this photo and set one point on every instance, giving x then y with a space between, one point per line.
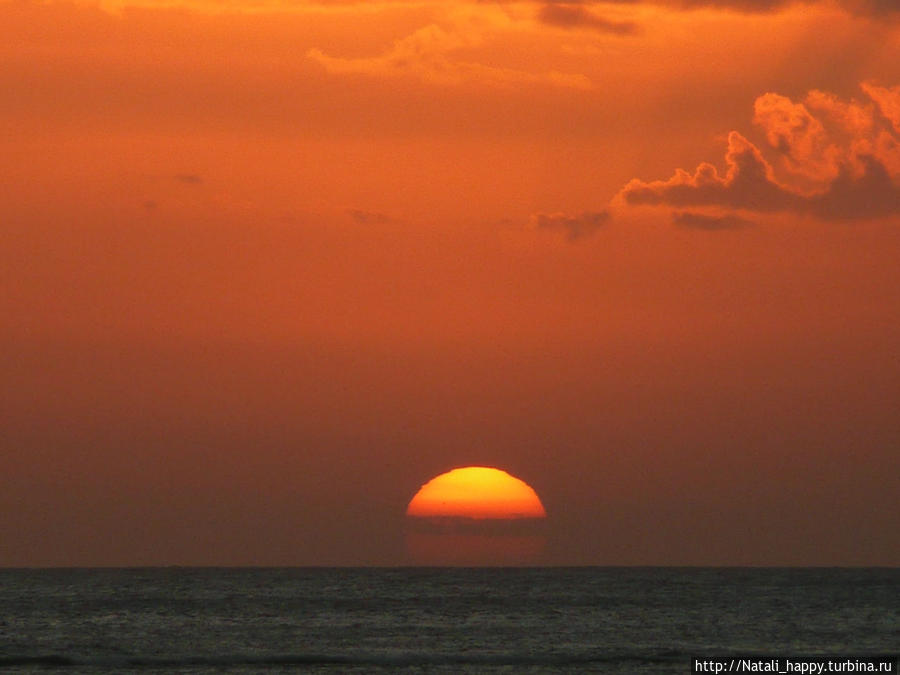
268 266
476 492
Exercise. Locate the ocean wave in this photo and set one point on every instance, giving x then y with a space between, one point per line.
349 659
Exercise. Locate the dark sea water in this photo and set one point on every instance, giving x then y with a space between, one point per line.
605 620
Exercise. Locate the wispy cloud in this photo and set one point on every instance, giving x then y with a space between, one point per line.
188 178
576 16
430 54
364 217
575 227
710 223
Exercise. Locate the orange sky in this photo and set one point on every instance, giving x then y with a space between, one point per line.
268 266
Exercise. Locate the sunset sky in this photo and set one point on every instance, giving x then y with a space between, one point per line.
268 266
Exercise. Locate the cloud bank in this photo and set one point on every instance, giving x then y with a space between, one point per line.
844 157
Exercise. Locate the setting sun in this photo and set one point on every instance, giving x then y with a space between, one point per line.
476 492
475 516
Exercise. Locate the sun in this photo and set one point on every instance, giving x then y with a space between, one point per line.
475 515
476 492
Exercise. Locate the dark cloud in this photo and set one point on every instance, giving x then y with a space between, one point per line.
878 8
574 15
748 184
754 6
873 7
847 160
856 193
871 195
702 221
364 217
575 226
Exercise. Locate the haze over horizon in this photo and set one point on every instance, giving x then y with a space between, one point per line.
268 267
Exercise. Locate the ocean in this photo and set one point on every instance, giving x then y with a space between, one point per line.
435 620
